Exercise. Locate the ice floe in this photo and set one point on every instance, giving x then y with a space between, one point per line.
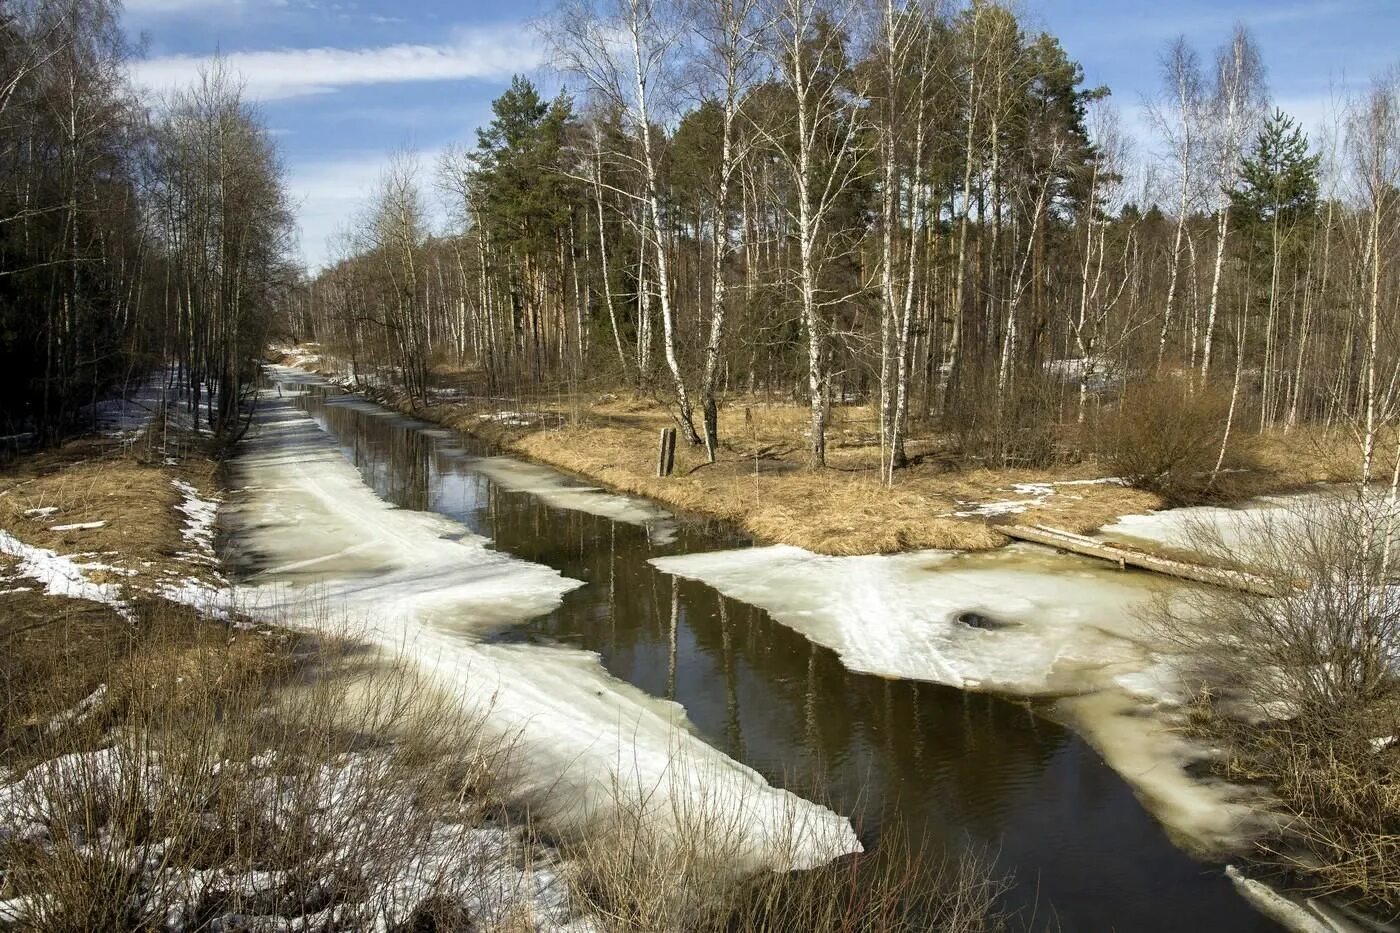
558 491
1011 621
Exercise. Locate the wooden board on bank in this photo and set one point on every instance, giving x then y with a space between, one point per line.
1124 557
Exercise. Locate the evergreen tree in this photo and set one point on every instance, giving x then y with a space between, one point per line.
1278 178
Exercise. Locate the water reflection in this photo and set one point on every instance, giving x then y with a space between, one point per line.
954 769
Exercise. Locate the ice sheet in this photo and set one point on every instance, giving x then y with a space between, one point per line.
1147 744
550 486
1040 621
1185 529
1022 621
557 490
333 554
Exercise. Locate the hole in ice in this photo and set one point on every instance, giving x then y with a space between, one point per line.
974 619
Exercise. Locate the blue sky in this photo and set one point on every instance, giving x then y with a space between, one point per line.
343 82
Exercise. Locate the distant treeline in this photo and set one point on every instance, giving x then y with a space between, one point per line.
130 237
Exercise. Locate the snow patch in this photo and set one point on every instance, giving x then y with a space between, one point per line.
60 575
79 526
1033 496
489 870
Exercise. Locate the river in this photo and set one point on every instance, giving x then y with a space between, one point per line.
949 767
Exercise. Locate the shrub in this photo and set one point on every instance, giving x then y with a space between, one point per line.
1165 437
1304 686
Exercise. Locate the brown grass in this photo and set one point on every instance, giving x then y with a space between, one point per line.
761 484
129 486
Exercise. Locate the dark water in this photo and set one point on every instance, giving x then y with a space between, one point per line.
952 769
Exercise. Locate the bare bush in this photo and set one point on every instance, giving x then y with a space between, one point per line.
1328 644
1166 436
1018 427
1304 686
634 876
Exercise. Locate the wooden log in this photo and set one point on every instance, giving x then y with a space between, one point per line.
666 458
1063 540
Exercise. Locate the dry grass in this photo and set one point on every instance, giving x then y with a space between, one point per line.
761 483
128 487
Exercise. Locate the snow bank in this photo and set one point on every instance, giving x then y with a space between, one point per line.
330 553
1233 528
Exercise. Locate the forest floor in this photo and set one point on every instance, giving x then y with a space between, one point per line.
761 481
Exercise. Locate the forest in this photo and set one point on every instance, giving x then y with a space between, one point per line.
133 235
915 206
387 541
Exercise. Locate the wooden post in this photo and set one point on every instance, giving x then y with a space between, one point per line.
666 460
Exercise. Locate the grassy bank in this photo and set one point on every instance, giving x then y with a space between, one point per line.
761 483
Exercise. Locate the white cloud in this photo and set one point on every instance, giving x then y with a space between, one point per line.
160 7
277 74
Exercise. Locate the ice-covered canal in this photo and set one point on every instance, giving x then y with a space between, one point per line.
735 676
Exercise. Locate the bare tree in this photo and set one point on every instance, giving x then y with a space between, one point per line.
625 74
1179 119
1374 137
820 148
728 31
1235 110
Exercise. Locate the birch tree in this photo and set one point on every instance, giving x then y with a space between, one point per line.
1235 111
627 57
820 148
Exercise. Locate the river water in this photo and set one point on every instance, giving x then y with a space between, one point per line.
950 768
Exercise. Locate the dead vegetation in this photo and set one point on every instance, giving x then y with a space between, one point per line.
1303 688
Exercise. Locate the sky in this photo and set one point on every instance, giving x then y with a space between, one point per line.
343 83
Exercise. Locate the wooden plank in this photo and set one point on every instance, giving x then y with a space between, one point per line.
666 457
1063 540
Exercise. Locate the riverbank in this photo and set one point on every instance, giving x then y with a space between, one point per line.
167 761
760 482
